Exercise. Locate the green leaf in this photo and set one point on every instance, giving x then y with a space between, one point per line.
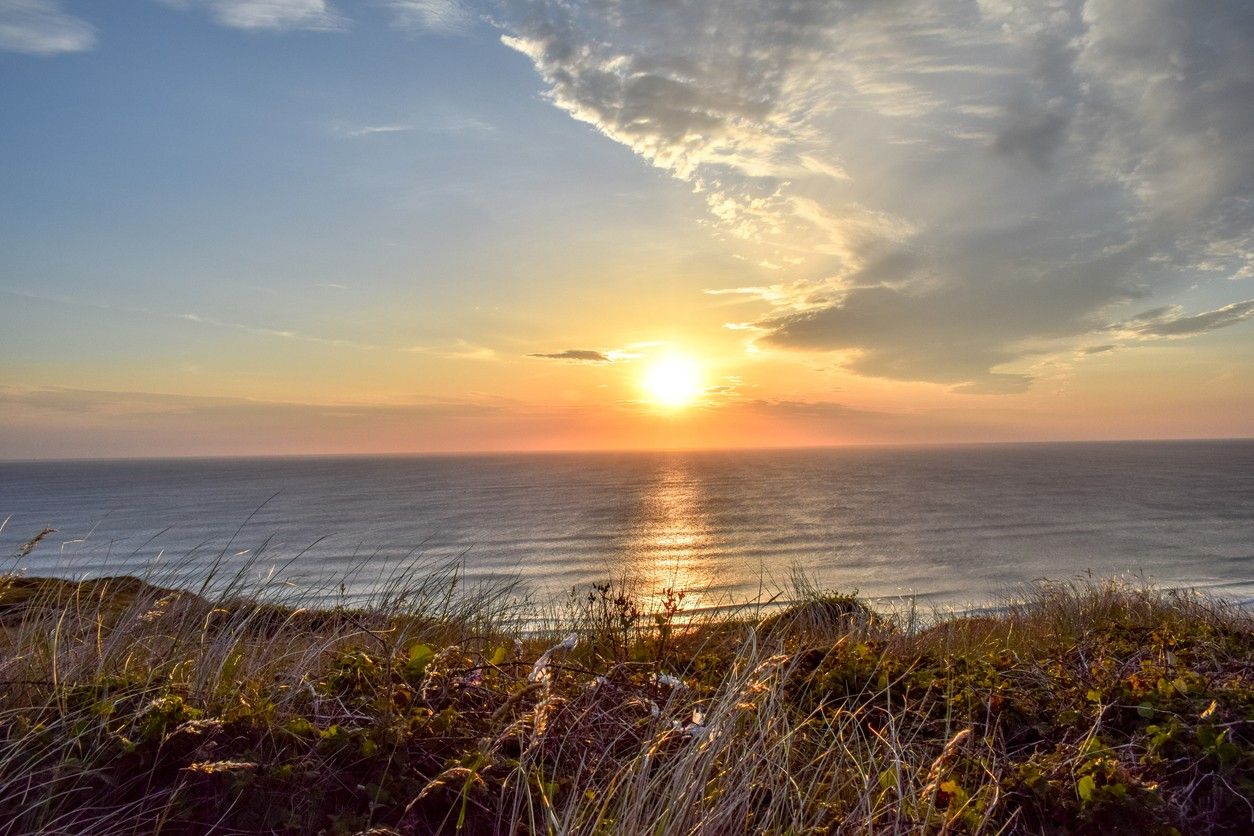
419 656
498 655
1086 786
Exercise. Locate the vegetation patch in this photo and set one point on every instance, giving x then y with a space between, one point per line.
1080 708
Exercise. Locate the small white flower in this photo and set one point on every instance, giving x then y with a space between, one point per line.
669 681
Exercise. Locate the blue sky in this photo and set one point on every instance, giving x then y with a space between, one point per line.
905 218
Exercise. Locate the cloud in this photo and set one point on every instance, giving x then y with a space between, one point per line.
58 421
73 401
371 130
717 94
41 27
281 333
943 191
1033 136
276 15
447 16
617 69
454 125
1171 321
578 355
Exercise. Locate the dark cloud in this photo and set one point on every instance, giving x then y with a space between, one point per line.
578 355
953 318
1033 136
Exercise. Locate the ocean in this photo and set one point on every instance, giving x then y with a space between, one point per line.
950 527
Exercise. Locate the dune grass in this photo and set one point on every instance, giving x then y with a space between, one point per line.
1087 707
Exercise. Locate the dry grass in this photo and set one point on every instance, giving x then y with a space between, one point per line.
127 707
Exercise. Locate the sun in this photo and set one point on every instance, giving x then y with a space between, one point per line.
673 381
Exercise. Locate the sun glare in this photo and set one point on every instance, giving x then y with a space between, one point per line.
673 381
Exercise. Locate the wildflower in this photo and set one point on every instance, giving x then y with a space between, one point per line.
518 648
540 670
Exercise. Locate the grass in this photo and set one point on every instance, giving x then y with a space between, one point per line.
1088 707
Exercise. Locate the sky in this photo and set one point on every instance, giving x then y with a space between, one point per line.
235 227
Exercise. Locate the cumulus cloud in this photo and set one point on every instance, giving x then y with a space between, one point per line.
42 27
317 15
943 191
578 355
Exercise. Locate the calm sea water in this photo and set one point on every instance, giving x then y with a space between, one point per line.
954 526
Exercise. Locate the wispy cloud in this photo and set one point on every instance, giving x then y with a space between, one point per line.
281 333
1171 321
446 16
461 349
371 130
577 355
42 27
454 125
276 15
43 420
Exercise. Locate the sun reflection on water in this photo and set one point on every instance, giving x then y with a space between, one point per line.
671 538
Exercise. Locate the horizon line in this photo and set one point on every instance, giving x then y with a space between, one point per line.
552 451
